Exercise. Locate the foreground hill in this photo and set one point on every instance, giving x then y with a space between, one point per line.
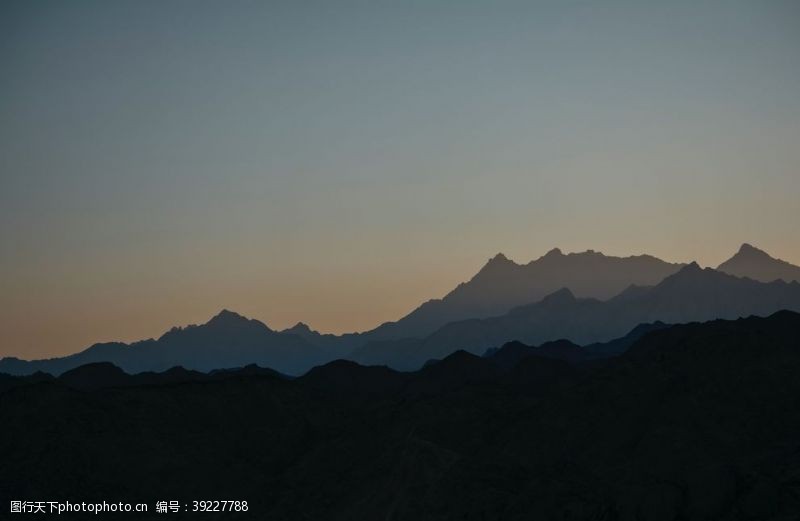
756 264
692 294
693 422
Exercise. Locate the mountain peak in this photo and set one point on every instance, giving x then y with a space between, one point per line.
694 279
94 376
225 312
299 328
227 318
689 274
691 267
498 261
555 252
759 265
748 250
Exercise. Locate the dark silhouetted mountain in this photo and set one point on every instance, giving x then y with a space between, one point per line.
512 353
756 264
455 370
562 350
104 375
248 370
619 345
694 422
503 284
8 381
692 294
537 375
95 376
228 340
343 377
509 355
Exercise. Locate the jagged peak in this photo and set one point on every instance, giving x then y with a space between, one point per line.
498 261
231 318
499 258
227 314
749 250
689 270
692 274
691 267
756 264
300 327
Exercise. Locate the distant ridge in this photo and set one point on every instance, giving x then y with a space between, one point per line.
557 296
227 340
503 284
692 294
757 264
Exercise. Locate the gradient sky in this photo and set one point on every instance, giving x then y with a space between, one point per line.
341 162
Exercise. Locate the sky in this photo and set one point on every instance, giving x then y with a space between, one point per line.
338 163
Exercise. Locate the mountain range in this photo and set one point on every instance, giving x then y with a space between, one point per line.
583 297
692 294
692 422
503 284
227 340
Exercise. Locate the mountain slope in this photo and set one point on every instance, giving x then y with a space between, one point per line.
756 264
503 284
692 294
